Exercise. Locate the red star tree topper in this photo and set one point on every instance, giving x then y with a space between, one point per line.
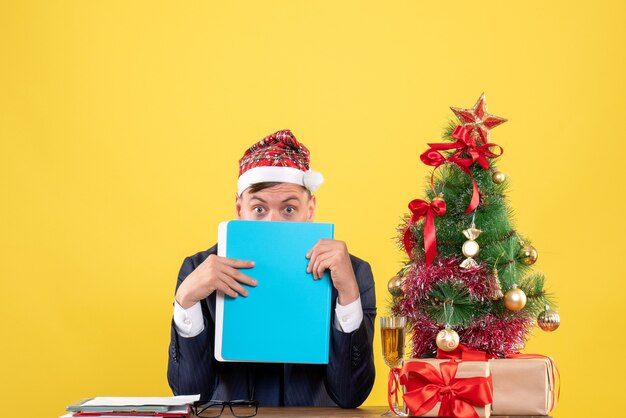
477 120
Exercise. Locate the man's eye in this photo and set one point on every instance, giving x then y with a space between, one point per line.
290 209
258 209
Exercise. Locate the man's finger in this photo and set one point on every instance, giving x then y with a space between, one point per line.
223 287
234 285
319 267
242 278
312 258
320 246
315 257
238 264
229 273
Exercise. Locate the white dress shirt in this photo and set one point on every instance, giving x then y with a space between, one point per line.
189 322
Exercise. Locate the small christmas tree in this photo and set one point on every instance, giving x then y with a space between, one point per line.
469 275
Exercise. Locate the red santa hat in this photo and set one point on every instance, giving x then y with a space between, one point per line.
278 157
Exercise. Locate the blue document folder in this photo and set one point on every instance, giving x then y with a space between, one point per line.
286 317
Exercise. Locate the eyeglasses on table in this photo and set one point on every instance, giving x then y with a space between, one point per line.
214 408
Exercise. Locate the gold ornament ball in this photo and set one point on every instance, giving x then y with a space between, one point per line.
447 339
498 177
515 299
528 254
395 286
548 320
470 248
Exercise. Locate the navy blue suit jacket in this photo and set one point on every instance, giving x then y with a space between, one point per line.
346 381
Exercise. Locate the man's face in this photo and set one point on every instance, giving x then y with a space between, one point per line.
283 202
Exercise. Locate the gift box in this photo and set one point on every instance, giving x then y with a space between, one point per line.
451 388
523 386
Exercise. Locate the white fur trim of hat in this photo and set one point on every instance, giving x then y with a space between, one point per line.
312 180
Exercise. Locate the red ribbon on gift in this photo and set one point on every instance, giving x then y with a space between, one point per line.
392 390
465 353
467 153
425 386
420 208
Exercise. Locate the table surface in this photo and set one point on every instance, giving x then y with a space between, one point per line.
366 411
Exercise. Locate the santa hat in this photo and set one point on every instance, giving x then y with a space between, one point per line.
277 158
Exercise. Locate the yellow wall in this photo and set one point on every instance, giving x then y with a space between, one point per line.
121 124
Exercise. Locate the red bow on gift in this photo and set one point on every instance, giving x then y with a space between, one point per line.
469 354
425 386
467 154
420 208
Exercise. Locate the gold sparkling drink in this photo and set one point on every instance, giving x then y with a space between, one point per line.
393 346
392 337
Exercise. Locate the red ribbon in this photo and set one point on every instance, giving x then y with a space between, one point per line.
392 390
420 208
425 386
469 354
467 153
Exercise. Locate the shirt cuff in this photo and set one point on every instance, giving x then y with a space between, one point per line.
188 322
348 318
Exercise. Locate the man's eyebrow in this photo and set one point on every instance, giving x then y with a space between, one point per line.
291 198
258 198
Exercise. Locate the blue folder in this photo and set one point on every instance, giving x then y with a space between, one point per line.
286 317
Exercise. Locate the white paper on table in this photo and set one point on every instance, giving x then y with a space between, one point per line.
142 401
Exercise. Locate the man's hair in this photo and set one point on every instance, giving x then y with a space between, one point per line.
257 187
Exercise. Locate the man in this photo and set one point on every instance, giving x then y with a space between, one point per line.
275 184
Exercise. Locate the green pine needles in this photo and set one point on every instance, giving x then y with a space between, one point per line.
449 302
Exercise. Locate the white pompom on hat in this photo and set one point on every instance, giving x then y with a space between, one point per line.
277 158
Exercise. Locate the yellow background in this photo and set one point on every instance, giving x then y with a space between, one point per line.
121 124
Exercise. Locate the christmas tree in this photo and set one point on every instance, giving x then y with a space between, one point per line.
469 275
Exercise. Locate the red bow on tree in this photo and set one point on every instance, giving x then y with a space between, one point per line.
420 208
425 386
467 154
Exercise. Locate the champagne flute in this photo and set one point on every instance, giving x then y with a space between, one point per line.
392 332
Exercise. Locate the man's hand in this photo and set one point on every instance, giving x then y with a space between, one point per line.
215 273
333 255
